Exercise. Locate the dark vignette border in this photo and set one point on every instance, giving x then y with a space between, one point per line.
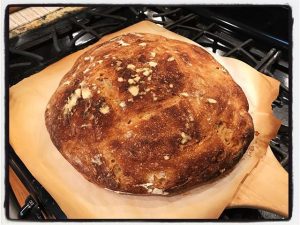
6 126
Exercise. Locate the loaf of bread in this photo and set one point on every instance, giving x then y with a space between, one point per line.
144 114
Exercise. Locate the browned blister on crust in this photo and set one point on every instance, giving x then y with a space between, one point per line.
149 115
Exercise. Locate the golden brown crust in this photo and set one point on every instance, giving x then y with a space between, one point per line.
149 115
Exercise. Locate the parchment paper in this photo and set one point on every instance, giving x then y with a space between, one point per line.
79 198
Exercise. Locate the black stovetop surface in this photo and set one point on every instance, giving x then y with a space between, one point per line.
274 18
258 36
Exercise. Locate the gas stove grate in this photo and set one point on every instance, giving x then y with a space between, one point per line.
34 50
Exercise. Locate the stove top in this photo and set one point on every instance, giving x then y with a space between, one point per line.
245 33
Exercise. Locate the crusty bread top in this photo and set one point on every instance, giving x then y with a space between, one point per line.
149 115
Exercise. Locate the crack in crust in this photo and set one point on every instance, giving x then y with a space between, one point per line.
145 114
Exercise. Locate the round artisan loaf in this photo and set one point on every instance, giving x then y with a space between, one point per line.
149 115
